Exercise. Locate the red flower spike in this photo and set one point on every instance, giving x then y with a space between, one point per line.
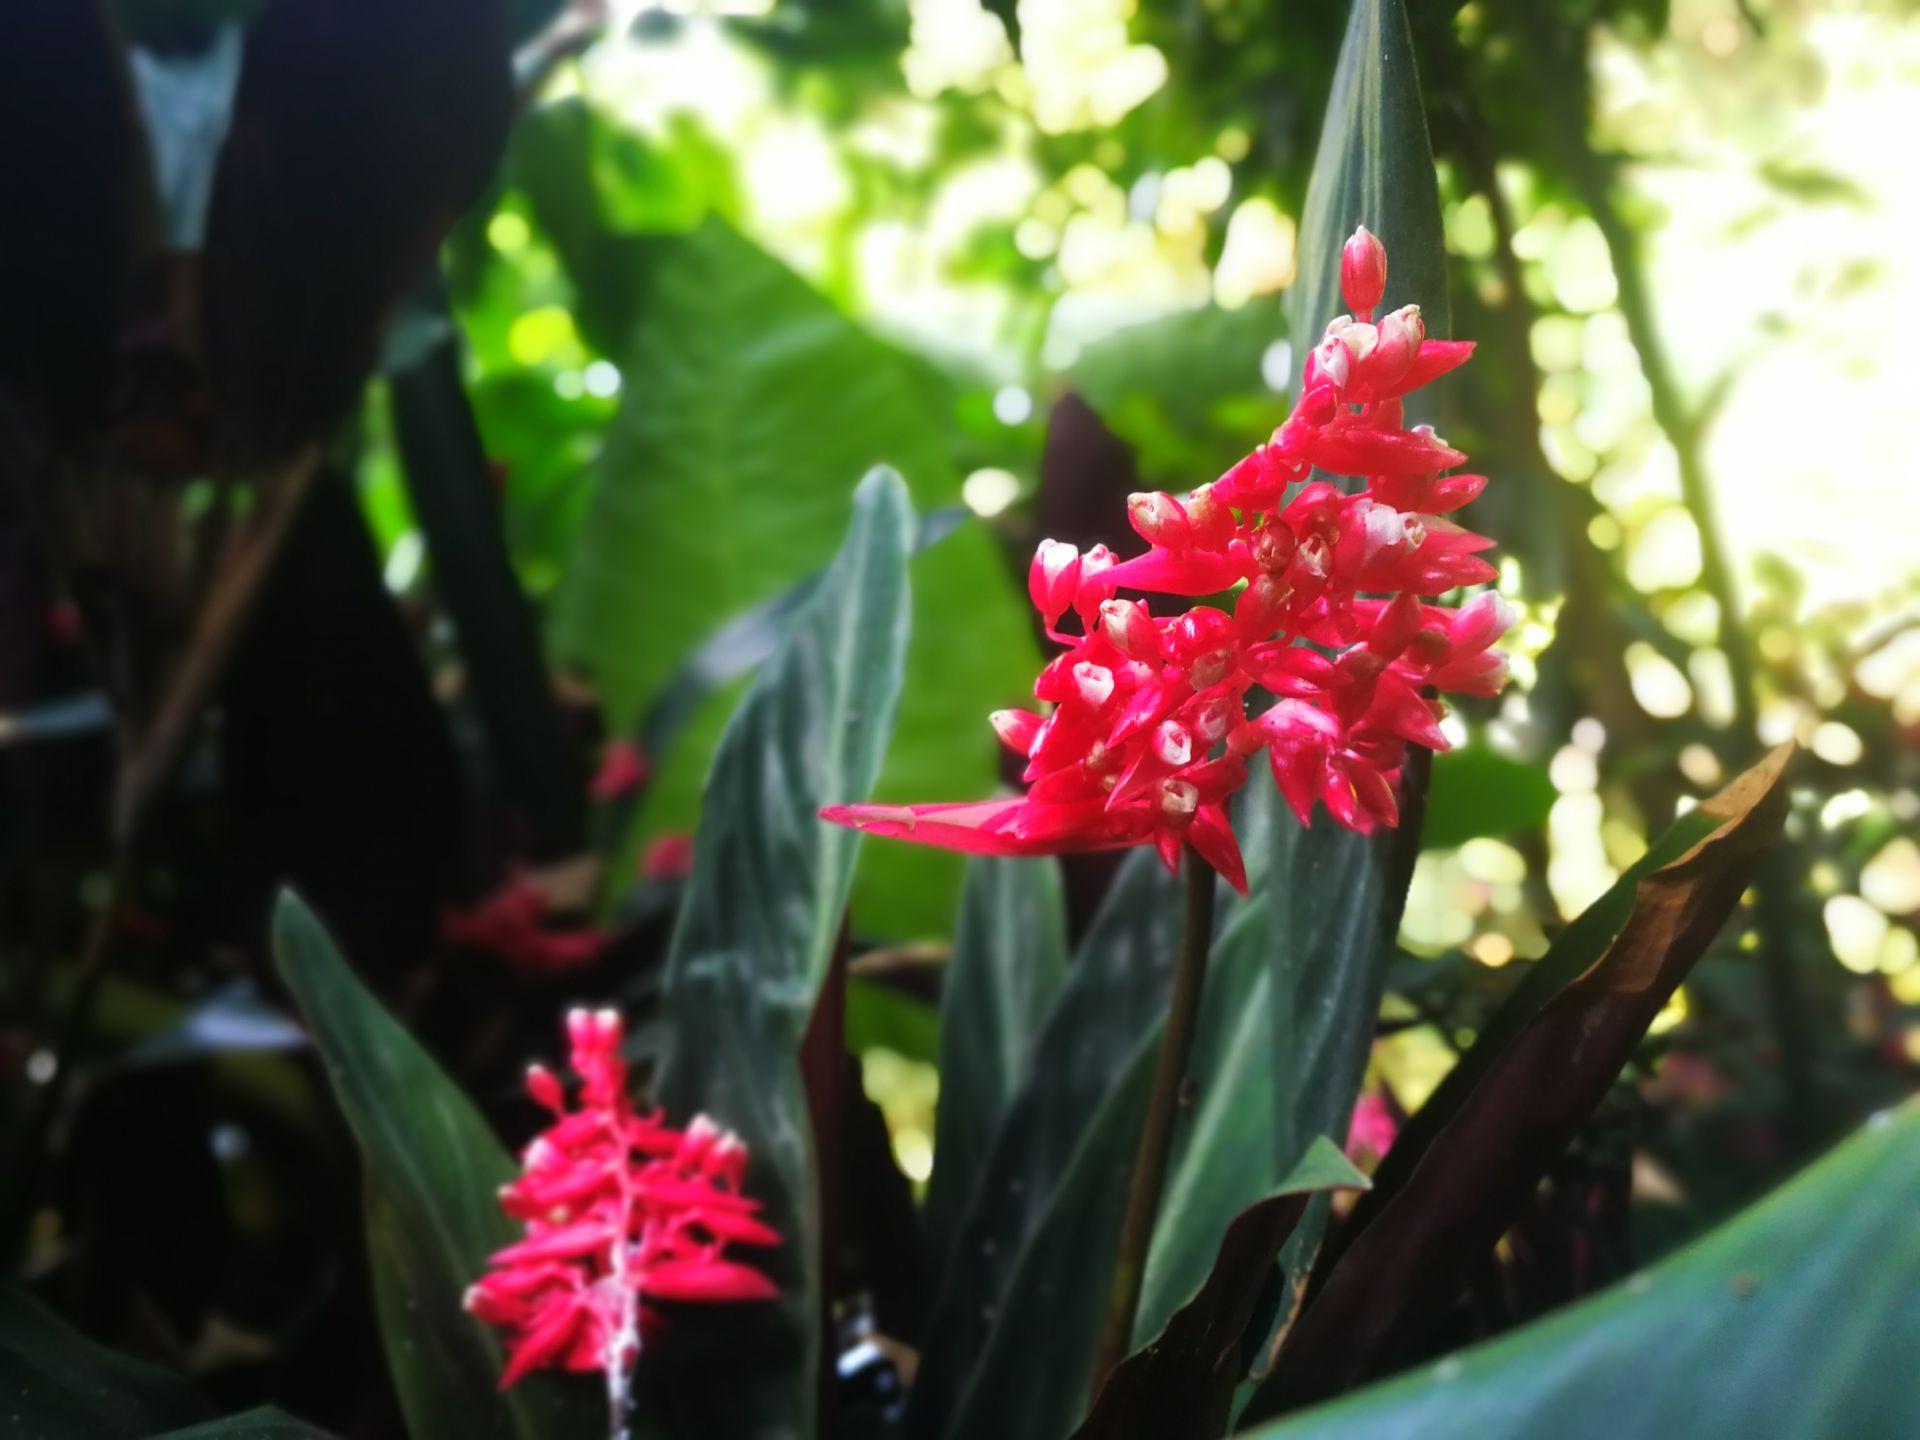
1149 735
620 1210
624 768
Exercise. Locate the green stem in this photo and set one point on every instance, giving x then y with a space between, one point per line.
1156 1136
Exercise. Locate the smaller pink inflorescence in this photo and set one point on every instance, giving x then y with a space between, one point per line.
620 1210
1330 614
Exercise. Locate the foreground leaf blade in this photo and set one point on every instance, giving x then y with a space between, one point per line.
1801 1317
1374 167
1509 1117
755 935
56 1384
1180 1385
1009 959
433 1168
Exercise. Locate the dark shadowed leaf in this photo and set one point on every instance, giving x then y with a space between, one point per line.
756 932
1009 958
359 134
748 401
538 769
1179 1386
76 175
1800 1318
1477 791
56 1384
1500 1125
265 1423
433 1169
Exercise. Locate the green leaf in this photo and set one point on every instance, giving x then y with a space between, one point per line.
1454 1184
1114 996
1374 167
56 1384
1179 1386
1478 791
1283 1062
1009 959
433 1168
757 929
1034 1376
265 1423
748 402
1798 1318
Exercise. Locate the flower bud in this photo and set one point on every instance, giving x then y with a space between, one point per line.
1396 626
1480 622
1211 520
1129 629
1094 591
544 1087
1160 519
1261 607
1016 729
1212 720
1400 337
1172 744
1093 683
1178 801
1358 336
1273 546
1053 578
1328 363
1363 271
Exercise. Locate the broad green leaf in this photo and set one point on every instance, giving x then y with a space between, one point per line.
1035 1374
748 401
1800 1318
1189 392
1114 995
1009 959
266 1423
1180 1384
1374 167
433 1169
56 1384
1478 791
1499 1124
756 932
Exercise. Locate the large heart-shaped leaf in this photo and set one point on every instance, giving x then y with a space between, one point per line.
1800 1318
56 1384
1009 959
1374 167
747 403
756 931
1502 1122
433 1169
1180 1385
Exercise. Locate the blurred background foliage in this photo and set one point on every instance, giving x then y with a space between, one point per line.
1033 256
1675 232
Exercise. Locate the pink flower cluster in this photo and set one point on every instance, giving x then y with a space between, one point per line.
1149 730
620 1209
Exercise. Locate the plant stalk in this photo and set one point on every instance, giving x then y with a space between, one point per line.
1163 1107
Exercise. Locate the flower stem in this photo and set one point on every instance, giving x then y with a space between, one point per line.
1156 1135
